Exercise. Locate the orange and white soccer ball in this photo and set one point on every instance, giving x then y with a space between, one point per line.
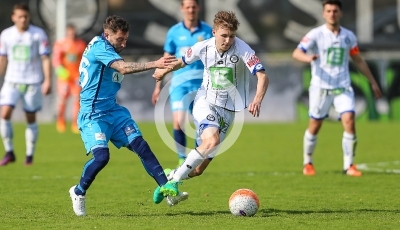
244 202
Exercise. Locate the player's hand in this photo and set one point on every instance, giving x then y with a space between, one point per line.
377 91
312 58
154 97
254 108
166 62
159 74
46 87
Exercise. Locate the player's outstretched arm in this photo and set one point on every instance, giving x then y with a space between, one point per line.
299 55
136 67
362 66
262 86
159 74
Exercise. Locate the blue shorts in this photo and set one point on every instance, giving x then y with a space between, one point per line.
115 125
182 96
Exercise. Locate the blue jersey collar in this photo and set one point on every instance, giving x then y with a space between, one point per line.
196 29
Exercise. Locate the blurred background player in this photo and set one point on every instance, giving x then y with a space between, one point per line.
102 119
229 63
186 81
67 53
24 49
332 46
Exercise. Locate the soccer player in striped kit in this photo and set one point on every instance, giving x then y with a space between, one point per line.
332 46
24 48
229 63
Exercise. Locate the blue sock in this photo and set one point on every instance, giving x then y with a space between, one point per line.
149 160
180 139
101 156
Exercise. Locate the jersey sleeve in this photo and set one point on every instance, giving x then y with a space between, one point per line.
44 46
249 57
105 54
308 41
353 45
192 54
3 48
169 45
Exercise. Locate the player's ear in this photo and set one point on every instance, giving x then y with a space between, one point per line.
213 32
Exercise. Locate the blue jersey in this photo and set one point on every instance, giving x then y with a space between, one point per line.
179 39
99 82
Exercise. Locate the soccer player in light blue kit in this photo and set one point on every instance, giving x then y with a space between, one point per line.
186 81
101 119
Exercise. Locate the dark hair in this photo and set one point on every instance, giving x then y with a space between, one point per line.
21 6
332 2
116 23
71 26
197 1
226 19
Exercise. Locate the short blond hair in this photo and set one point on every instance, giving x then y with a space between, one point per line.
226 19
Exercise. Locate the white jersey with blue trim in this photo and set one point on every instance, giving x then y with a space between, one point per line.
331 69
24 51
226 75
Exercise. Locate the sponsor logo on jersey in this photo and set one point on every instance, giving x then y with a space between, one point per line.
258 66
100 136
189 52
129 129
253 60
305 40
210 117
234 58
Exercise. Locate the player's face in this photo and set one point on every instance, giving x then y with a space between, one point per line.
224 38
332 14
20 19
70 33
190 10
117 40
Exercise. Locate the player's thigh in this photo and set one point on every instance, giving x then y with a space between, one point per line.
319 103
125 128
33 98
63 89
204 117
9 95
95 131
345 102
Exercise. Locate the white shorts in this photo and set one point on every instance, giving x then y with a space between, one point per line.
30 94
321 101
208 115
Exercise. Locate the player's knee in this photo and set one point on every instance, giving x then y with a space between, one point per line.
141 147
101 155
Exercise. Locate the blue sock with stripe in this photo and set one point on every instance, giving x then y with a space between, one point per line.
101 156
149 160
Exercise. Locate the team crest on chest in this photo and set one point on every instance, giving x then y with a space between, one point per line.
200 38
347 41
234 58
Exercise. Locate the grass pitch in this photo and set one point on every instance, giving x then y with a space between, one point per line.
267 158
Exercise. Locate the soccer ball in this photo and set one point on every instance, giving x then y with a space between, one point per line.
244 202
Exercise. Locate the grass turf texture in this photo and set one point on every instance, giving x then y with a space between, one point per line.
267 158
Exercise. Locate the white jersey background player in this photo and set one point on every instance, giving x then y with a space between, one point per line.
332 46
228 65
24 51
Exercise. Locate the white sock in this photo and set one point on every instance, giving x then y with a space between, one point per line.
31 134
309 143
6 131
193 160
349 142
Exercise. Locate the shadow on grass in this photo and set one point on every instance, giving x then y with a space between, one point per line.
260 213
